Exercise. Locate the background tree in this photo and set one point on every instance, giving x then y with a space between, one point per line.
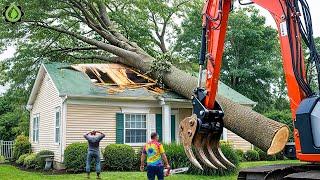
150 23
251 59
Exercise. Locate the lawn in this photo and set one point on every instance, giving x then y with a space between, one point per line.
8 172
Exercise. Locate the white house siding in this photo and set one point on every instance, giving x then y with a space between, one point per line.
238 142
45 104
82 118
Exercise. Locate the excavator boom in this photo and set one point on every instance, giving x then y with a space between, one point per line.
203 129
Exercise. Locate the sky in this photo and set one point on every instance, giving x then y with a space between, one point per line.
313 4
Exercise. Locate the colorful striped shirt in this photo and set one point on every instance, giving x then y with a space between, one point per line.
153 150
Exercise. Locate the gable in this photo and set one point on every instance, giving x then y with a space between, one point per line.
43 81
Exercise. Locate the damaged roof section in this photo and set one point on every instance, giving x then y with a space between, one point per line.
117 77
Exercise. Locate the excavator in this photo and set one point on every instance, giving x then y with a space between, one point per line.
201 132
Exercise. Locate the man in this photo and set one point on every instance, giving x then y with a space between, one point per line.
94 138
154 152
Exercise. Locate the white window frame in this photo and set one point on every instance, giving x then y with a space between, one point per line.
35 128
124 129
57 110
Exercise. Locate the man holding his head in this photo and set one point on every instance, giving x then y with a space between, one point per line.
93 138
154 152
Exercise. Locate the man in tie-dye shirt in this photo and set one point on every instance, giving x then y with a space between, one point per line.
154 152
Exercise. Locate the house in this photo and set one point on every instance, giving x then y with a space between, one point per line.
69 100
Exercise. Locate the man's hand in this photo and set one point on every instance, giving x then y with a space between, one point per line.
142 168
167 166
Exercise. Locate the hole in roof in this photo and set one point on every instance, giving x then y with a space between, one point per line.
133 76
104 77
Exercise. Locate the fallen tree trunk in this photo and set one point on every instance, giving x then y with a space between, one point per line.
265 133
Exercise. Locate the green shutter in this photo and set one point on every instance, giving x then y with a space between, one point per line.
119 128
173 128
159 125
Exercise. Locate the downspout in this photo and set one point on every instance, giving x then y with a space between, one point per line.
29 109
63 117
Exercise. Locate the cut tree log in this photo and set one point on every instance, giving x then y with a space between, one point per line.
267 134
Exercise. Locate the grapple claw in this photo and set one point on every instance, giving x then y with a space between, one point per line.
188 127
212 155
214 141
199 143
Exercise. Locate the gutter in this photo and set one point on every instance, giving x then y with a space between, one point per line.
145 98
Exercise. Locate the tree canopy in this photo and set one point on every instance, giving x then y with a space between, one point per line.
251 59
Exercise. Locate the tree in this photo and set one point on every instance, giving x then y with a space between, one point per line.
189 39
251 59
14 119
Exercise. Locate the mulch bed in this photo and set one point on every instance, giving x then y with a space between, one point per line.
50 172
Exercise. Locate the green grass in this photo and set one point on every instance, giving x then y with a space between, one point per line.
8 172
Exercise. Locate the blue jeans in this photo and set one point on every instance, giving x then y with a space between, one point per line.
96 156
153 171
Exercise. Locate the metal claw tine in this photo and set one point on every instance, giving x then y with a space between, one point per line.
187 132
192 158
199 145
217 151
212 155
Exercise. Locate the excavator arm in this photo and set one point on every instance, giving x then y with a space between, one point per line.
203 129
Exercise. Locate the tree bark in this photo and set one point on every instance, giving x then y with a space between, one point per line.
265 133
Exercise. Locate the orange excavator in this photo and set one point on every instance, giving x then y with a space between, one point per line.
203 129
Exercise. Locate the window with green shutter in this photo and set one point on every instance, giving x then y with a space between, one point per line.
119 128
159 125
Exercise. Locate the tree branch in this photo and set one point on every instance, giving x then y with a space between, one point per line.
107 47
73 49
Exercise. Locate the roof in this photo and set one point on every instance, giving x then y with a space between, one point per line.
233 95
73 82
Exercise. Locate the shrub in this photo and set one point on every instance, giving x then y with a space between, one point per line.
252 155
263 156
20 160
75 157
119 157
240 155
41 161
30 161
21 146
280 156
2 159
177 158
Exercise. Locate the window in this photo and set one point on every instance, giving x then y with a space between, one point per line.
35 133
135 128
57 125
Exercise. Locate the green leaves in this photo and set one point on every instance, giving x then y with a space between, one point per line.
251 59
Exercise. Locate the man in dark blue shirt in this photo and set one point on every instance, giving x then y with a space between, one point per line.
93 138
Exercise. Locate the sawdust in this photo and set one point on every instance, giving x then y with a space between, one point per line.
117 78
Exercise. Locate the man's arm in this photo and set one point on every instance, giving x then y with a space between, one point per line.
165 159
143 157
102 135
86 135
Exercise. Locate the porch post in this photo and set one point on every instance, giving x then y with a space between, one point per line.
166 122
